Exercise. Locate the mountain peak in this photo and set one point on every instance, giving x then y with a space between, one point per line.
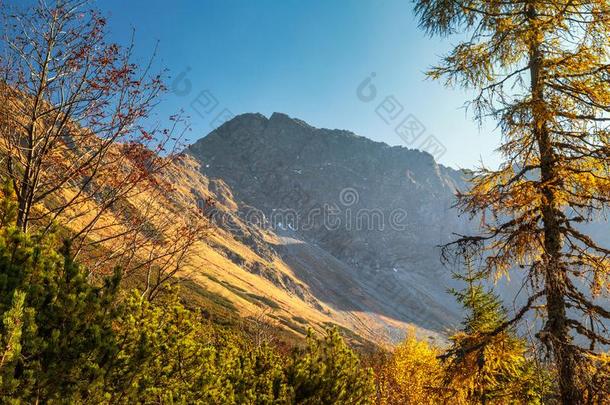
280 116
281 164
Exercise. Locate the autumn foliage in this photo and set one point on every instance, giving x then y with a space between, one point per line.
539 70
84 205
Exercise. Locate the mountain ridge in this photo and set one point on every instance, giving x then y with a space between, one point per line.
281 164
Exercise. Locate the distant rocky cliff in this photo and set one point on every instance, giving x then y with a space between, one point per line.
376 213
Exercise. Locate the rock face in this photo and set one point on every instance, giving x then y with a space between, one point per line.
373 211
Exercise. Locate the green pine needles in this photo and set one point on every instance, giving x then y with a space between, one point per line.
65 338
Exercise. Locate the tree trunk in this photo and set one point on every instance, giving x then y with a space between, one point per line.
556 331
23 194
28 184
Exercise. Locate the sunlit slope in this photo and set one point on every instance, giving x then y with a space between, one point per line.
236 265
249 266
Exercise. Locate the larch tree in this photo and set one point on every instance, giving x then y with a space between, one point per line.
540 69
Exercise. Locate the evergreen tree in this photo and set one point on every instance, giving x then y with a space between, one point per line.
488 364
169 354
57 328
67 339
12 324
329 372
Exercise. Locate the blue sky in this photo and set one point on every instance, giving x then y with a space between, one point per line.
306 59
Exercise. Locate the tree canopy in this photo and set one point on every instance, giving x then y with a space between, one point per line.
541 70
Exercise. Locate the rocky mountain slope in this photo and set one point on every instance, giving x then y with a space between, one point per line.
274 275
358 222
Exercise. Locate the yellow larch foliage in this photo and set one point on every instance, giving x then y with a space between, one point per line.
413 374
